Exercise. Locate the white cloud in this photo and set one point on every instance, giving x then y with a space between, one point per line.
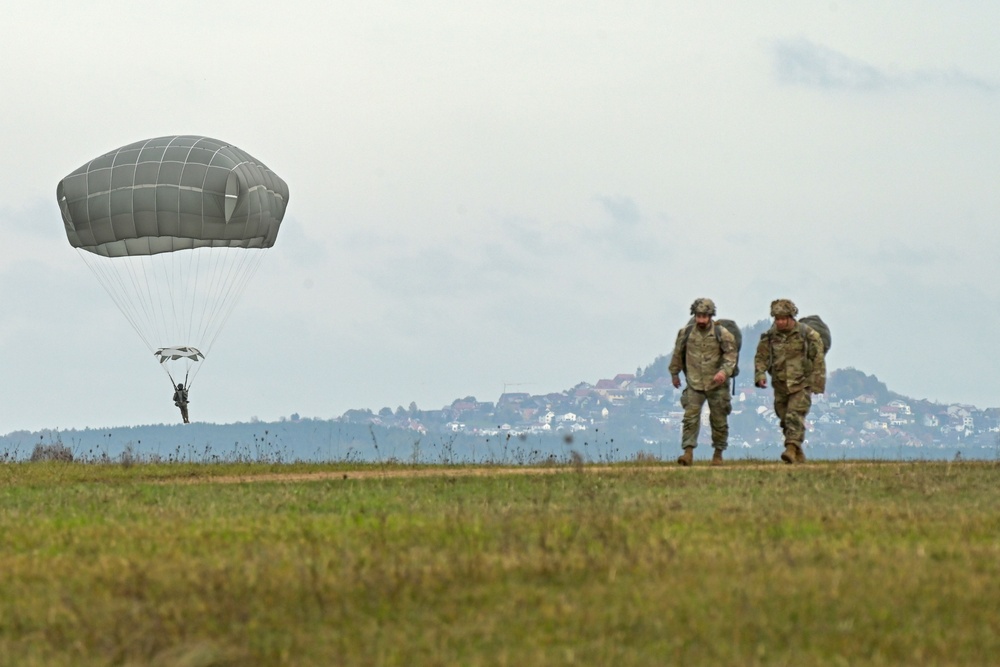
514 192
804 63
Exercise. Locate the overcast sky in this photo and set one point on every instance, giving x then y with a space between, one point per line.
519 194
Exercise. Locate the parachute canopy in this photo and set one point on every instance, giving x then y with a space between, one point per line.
171 193
173 228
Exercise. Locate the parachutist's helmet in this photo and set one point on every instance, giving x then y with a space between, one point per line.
703 306
179 386
783 308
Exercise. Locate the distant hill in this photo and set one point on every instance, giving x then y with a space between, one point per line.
613 419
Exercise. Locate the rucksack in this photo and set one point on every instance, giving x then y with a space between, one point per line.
729 326
816 323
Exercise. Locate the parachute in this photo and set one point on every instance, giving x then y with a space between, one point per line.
174 228
175 353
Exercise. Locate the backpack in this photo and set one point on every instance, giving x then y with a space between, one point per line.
816 323
729 326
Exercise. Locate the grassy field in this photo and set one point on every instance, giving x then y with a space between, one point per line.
189 565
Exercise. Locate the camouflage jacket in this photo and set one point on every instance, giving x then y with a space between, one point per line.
794 358
703 355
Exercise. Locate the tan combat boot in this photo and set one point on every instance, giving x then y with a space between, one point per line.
800 456
687 458
788 456
717 458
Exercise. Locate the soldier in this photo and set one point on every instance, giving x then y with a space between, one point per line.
794 356
707 354
181 401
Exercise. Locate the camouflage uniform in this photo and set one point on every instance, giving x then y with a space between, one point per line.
796 362
704 356
181 401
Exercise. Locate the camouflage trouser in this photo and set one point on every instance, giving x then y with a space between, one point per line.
184 411
720 404
792 408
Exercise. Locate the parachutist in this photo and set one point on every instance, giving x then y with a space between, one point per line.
182 224
181 401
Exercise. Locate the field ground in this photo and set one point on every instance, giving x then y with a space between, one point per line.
754 563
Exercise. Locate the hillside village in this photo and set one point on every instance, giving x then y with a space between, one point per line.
628 416
617 418
857 412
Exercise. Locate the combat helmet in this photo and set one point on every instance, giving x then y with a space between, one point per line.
703 306
783 308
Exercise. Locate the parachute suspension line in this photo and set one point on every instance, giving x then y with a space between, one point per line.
147 294
210 306
115 286
226 281
144 307
193 269
180 272
133 290
247 269
205 284
158 320
177 293
199 263
178 298
168 299
202 313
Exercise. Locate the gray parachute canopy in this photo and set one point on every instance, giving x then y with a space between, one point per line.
171 193
174 228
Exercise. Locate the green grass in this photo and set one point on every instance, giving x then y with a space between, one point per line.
825 564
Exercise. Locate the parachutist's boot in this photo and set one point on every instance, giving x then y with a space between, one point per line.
788 456
687 458
800 456
717 457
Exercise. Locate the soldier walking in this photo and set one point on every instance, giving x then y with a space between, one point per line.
707 354
794 356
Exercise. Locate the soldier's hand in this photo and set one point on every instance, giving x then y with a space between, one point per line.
761 383
719 378
676 381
